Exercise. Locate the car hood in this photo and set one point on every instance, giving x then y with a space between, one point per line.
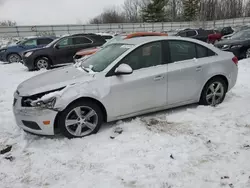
230 42
53 80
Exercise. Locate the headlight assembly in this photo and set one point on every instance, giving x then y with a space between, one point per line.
236 46
42 100
28 54
45 104
225 47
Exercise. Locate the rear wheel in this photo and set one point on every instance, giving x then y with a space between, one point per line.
248 53
214 92
13 58
80 119
42 63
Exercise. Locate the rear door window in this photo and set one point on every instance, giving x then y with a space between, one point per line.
81 40
31 42
65 42
181 50
191 33
44 41
182 34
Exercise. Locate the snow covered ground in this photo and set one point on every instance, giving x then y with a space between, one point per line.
209 147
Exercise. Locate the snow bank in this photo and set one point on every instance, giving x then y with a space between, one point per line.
205 144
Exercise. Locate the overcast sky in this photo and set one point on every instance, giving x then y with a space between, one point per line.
31 12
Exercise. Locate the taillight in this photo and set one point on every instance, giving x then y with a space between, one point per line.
235 60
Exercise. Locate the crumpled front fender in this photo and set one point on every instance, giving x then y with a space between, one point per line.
96 90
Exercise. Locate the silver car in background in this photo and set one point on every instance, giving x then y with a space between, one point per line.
124 79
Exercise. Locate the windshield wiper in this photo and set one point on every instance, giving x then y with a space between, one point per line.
85 69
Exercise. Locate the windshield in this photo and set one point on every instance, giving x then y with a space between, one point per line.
103 58
21 41
241 35
113 40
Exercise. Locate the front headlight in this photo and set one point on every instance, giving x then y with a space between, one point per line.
3 50
43 100
236 46
225 47
50 103
28 54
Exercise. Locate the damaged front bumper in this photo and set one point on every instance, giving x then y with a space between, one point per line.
34 119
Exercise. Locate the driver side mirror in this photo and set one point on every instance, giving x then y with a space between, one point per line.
123 69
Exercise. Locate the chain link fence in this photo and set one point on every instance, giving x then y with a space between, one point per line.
59 30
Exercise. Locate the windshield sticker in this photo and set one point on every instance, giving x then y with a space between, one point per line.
127 46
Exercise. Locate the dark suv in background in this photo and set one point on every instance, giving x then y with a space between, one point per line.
60 51
13 52
199 34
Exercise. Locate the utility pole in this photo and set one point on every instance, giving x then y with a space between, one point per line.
202 13
173 10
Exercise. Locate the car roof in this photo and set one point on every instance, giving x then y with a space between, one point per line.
84 34
144 40
147 39
40 37
138 34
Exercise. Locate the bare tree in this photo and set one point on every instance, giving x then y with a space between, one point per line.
208 10
247 8
131 10
7 23
109 16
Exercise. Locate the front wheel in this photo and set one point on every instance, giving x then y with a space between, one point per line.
80 119
42 63
14 58
214 92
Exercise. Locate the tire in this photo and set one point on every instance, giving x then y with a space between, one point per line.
42 63
247 53
69 115
208 97
13 58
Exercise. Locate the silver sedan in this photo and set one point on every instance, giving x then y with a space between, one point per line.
124 79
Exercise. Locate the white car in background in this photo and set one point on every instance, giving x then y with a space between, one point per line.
106 36
125 79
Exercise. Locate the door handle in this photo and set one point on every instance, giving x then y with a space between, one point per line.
157 78
199 68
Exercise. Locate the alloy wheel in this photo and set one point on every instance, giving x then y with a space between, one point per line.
14 58
42 64
215 93
81 121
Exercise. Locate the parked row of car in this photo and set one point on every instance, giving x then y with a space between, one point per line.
206 35
235 41
46 52
13 52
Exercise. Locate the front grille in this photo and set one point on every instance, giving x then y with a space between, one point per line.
14 101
